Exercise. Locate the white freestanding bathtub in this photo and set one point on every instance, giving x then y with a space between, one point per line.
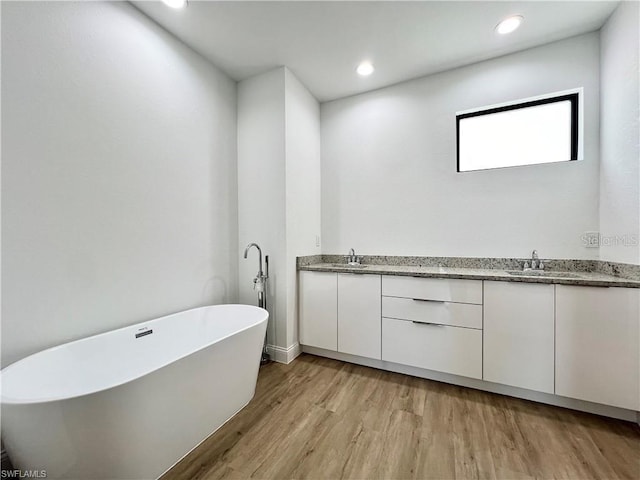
130 403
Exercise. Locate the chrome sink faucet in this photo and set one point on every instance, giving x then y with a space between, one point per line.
536 263
352 258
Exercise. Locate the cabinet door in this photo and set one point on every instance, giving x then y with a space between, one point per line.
440 348
318 301
442 313
442 289
359 314
597 344
519 335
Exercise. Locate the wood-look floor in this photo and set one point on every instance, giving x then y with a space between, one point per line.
323 419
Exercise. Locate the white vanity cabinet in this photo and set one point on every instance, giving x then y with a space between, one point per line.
577 342
318 309
432 323
359 314
340 312
597 344
518 335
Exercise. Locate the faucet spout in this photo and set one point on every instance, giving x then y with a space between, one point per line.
352 258
246 251
534 259
536 264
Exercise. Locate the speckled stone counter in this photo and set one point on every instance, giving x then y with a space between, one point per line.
565 272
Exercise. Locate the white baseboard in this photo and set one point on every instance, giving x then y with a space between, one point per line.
549 399
284 355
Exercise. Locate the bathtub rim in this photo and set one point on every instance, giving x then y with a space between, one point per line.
32 401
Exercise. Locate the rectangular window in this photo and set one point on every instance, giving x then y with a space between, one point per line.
529 132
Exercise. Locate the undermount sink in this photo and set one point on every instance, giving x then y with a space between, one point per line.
348 265
542 273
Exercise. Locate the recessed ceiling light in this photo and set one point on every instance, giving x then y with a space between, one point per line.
509 24
175 3
365 69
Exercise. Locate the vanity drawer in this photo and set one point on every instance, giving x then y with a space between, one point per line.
433 311
444 289
441 348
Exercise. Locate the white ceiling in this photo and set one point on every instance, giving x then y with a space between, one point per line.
322 42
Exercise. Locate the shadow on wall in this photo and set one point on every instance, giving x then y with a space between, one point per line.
5 465
215 291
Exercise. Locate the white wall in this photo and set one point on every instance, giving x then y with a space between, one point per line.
261 192
620 136
118 174
302 113
389 181
278 189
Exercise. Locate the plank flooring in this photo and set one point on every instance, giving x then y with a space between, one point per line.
318 418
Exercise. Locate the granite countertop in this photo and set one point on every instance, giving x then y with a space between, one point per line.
576 273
